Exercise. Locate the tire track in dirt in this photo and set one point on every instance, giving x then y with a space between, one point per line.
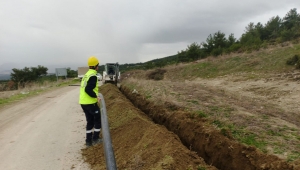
138 142
210 144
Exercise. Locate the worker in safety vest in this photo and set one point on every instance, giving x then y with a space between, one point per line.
88 100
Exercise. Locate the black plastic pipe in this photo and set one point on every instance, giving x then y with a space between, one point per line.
108 149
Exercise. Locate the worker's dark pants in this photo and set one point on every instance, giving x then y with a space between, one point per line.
92 114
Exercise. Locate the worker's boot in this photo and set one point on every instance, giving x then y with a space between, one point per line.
88 144
88 140
97 141
96 138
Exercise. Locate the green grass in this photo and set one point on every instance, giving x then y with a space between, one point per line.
240 133
278 150
19 96
263 61
218 123
200 113
201 168
274 133
253 65
221 110
251 139
293 156
148 95
246 137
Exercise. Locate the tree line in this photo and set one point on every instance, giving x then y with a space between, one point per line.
255 37
19 77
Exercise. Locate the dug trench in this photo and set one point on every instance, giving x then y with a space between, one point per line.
139 143
216 148
148 136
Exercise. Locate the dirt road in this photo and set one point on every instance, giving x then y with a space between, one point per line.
43 132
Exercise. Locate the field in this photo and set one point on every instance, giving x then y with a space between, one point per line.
138 142
239 111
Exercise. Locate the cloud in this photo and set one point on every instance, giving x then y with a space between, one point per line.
65 33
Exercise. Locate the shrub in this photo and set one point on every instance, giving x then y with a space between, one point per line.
293 61
298 64
235 47
216 52
11 85
157 74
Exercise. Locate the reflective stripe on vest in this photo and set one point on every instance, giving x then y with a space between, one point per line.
84 97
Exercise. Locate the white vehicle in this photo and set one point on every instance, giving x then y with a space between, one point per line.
99 76
81 71
111 73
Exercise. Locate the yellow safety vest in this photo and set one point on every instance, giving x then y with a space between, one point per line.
84 97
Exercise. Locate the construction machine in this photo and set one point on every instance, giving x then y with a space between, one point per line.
111 73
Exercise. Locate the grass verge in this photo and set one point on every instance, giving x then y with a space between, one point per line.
31 90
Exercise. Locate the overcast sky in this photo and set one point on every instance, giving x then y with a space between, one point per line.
64 33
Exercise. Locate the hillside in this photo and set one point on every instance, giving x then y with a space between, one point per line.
252 98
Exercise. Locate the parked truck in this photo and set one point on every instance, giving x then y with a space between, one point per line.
111 73
81 71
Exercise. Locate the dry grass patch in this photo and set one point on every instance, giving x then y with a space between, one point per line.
30 89
252 121
253 95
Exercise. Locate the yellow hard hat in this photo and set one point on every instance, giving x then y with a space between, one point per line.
93 61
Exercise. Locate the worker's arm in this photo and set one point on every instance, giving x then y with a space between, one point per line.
91 84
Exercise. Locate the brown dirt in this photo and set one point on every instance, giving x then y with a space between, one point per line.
138 142
266 109
214 118
210 144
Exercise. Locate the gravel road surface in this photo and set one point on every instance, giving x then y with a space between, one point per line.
43 132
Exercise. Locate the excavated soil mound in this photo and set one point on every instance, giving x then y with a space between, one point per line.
218 149
138 142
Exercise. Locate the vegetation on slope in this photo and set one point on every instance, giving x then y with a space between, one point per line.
256 37
249 97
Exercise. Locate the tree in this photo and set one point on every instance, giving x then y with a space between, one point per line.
273 27
160 63
251 40
182 56
148 65
232 44
209 45
215 44
21 76
193 51
39 71
219 40
231 40
291 24
291 19
250 28
71 73
260 31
